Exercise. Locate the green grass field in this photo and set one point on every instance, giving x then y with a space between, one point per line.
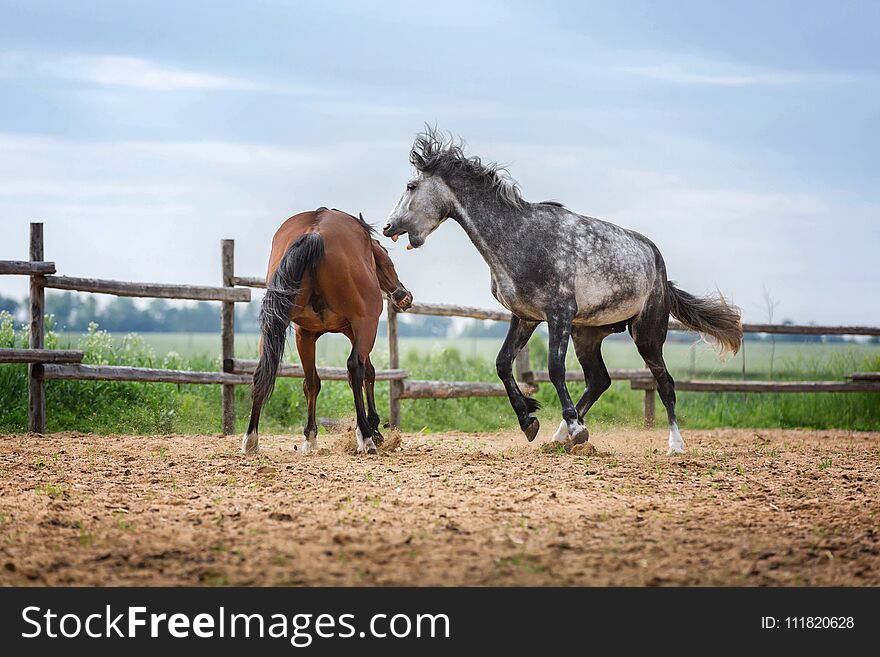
111 407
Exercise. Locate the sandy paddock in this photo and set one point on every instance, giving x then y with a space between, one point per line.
742 507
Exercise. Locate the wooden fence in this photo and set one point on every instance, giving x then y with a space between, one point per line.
48 364
57 364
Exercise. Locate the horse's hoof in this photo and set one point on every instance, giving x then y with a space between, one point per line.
580 437
532 429
366 446
676 444
250 444
378 438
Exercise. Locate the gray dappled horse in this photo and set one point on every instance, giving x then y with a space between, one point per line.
585 277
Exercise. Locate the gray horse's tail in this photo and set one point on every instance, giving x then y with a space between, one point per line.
708 315
281 295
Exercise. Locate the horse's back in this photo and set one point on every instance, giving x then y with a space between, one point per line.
345 283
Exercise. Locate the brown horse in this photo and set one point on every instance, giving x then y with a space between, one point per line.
326 275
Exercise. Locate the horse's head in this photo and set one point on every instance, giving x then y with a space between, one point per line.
425 204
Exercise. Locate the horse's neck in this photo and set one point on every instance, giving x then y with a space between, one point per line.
488 224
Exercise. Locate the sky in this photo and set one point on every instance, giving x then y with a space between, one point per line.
742 138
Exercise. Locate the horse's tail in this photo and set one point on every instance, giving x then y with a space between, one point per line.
708 315
281 295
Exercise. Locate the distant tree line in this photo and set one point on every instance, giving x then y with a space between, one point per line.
74 312
9 304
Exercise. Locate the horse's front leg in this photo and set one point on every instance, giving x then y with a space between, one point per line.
517 335
559 326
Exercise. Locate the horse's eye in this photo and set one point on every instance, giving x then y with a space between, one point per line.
410 186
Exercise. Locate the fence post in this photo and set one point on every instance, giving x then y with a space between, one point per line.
395 388
36 340
649 407
227 335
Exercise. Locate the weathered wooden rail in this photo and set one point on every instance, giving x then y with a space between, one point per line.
66 364
142 374
413 389
153 290
734 385
40 356
864 376
26 268
295 370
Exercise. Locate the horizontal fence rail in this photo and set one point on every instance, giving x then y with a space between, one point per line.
26 268
66 364
865 376
250 281
154 290
413 389
809 329
446 310
294 370
706 385
543 376
143 374
40 356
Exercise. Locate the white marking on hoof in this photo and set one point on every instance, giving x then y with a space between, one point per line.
561 434
676 444
576 428
250 443
308 445
365 446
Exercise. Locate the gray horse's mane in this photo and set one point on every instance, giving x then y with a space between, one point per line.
434 153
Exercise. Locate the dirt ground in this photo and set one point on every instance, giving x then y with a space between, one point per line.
754 507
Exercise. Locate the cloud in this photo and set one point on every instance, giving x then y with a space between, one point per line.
706 72
226 153
350 108
52 156
122 71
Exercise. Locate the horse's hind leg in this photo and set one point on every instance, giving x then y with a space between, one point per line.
517 335
588 347
305 346
362 339
649 333
260 391
370 388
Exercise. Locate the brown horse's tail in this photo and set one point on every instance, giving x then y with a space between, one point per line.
708 315
283 289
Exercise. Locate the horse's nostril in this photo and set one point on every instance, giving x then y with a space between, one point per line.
387 227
